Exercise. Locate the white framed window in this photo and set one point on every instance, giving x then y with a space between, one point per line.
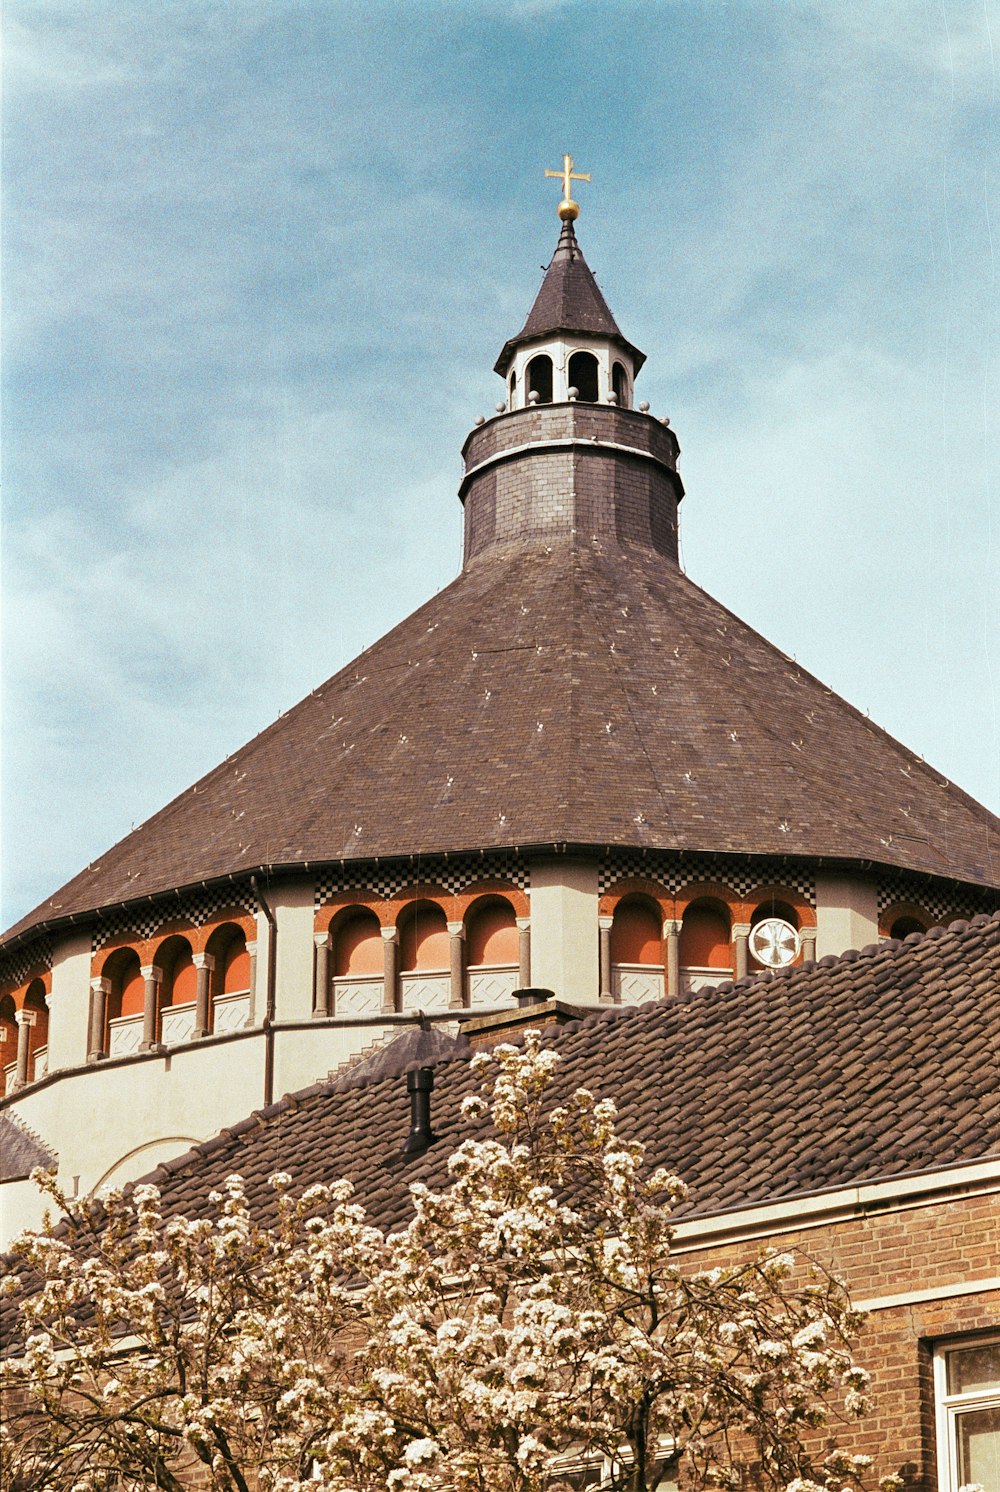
590 1472
967 1398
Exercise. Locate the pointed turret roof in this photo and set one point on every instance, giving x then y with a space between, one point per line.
569 300
572 694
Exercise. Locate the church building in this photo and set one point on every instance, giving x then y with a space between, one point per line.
572 771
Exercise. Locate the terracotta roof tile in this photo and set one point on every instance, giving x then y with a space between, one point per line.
887 1080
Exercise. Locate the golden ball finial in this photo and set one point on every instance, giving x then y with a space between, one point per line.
568 210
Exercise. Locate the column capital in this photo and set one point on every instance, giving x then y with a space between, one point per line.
48 1002
388 933
671 928
25 1017
153 972
456 929
321 939
605 923
741 929
203 960
101 986
522 923
252 947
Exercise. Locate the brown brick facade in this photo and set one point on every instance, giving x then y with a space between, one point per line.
884 1257
616 481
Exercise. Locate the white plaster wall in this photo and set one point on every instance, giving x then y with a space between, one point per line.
118 1122
564 948
305 1057
292 905
69 1012
94 1117
22 1206
846 913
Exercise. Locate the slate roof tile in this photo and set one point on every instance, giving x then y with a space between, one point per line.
294 795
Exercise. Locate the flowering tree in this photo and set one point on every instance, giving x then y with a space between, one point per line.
529 1323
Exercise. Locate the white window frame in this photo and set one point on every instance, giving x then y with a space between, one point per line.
948 1407
574 1464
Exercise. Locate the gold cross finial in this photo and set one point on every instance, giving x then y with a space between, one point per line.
568 209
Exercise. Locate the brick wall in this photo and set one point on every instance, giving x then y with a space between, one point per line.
885 1254
591 488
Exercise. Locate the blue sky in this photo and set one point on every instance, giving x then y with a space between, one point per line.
260 258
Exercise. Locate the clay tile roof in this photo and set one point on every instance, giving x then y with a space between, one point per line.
568 697
569 300
875 1075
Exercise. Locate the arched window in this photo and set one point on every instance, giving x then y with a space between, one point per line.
903 926
236 966
773 908
619 382
705 937
38 1034
423 938
583 376
636 951
539 376
229 980
124 1007
513 389
357 946
491 952
178 991
8 1043
491 934
636 933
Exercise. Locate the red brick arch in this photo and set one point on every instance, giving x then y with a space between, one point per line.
636 887
898 909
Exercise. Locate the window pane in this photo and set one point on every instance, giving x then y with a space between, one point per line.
979 1448
974 1368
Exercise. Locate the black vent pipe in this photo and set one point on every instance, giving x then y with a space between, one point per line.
418 1086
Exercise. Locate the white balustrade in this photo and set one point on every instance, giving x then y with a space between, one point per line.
426 991
40 1063
492 984
703 978
634 984
124 1035
231 1012
358 996
177 1024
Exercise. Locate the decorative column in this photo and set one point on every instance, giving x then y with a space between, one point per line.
672 937
25 1020
390 977
252 1012
741 953
604 937
523 952
152 979
456 963
100 989
807 936
204 963
321 977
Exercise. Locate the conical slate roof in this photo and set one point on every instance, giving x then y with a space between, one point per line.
564 694
569 300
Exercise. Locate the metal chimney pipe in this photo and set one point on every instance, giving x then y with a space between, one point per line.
419 1085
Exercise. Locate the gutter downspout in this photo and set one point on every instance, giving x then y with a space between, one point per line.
267 1024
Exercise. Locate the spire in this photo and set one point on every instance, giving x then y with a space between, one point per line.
569 301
